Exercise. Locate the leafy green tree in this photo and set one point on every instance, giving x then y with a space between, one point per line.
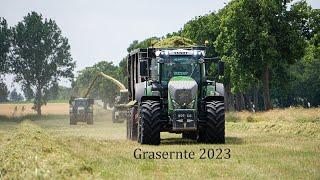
52 92
5 45
305 79
15 96
133 45
122 71
28 92
149 42
255 37
3 92
294 84
169 35
41 55
64 93
201 29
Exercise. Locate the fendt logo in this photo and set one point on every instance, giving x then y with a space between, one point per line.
180 53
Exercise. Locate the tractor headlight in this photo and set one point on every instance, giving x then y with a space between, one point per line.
175 104
190 105
178 106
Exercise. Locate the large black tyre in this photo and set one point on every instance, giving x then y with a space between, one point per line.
150 123
114 115
215 129
201 136
90 118
72 119
132 125
128 124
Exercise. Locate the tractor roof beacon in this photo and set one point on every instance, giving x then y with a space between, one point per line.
169 90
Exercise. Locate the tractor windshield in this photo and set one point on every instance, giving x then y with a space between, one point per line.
81 103
180 66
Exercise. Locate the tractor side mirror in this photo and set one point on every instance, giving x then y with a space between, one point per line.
221 68
143 67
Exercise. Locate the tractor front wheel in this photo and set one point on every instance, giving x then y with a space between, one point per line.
149 123
215 130
132 125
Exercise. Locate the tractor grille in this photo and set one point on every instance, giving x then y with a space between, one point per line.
183 96
183 92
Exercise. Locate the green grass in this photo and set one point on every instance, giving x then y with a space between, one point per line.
261 149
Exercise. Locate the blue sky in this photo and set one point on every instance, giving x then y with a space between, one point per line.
102 29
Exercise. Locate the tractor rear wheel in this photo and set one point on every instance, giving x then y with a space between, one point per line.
114 115
149 125
215 130
72 119
132 125
90 118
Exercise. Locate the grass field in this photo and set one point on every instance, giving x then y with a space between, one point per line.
281 144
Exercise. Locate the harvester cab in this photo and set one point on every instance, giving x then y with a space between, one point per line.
120 109
81 110
170 90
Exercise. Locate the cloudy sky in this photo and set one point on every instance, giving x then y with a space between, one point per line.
102 29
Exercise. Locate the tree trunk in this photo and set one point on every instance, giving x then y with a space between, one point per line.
239 101
243 103
246 101
256 98
228 98
266 90
38 101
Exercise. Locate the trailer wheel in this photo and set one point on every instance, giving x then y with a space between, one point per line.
90 118
214 132
114 115
128 122
72 119
150 122
132 125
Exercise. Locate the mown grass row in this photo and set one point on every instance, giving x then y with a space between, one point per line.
299 115
32 153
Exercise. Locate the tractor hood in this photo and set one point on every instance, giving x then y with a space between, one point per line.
182 90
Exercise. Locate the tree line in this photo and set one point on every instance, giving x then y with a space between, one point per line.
270 48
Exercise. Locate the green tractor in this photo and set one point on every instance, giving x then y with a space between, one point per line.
81 110
169 91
